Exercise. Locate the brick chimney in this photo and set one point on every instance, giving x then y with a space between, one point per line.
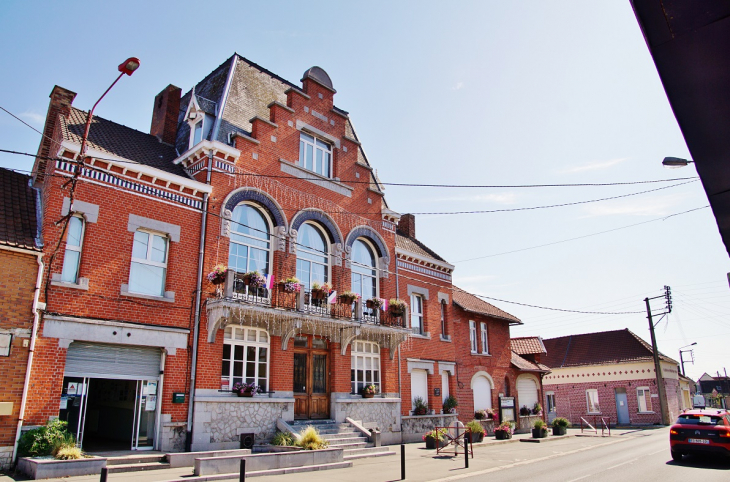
407 225
165 113
61 100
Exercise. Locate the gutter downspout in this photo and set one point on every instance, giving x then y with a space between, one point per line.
33 336
198 292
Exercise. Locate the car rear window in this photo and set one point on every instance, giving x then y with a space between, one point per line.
699 420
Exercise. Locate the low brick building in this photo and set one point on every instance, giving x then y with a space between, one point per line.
608 374
21 260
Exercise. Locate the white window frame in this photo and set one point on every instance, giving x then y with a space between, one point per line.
643 397
589 392
327 255
473 336
417 310
325 171
442 307
241 239
230 338
79 249
485 337
365 351
355 266
148 262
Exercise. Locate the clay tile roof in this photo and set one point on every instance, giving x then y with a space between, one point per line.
469 302
121 141
527 365
415 246
603 348
527 345
18 211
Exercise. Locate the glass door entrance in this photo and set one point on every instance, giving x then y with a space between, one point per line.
108 414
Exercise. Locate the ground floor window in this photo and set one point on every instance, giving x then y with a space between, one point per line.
365 366
644 396
245 356
592 401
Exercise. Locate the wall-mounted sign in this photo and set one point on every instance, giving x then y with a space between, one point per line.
507 402
436 392
178 397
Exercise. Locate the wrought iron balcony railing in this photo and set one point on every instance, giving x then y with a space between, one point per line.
312 302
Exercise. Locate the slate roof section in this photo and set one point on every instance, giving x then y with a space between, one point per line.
121 141
602 348
528 366
415 246
471 303
19 204
527 345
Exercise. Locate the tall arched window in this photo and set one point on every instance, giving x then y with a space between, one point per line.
250 240
312 255
364 270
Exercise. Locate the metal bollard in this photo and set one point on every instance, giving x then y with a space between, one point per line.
402 462
466 450
103 476
242 476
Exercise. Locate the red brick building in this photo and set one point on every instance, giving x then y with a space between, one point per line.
21 260
269 180
609 374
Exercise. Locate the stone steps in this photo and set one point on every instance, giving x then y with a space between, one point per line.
137 467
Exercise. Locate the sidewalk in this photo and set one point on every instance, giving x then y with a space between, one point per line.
421 464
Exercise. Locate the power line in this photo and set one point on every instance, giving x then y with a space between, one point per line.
557 309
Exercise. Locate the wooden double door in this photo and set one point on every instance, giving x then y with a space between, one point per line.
311 378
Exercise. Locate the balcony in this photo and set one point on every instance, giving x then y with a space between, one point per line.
304 311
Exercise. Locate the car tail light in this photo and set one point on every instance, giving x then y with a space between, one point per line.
674 431
724 433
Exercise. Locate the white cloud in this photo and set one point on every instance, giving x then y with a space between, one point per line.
33 117
595 165
458 86
504 198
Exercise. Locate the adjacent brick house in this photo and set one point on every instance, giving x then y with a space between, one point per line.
253 173
608 374
21 260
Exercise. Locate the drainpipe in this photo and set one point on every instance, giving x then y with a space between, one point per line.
196 329
33 336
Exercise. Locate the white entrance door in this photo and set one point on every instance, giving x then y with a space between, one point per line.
419 385
144 415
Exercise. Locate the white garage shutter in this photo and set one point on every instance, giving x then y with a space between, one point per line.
482 393
526 392
419 385
95 360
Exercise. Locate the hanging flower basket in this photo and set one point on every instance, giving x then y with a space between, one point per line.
254 279
396 307
347 298
218 275
290 285
374 303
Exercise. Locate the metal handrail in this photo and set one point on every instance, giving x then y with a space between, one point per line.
604 422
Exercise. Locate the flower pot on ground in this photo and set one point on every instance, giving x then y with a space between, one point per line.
560 426
539 429
504 431
434 438
476 431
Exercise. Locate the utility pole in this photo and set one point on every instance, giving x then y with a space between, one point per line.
657 366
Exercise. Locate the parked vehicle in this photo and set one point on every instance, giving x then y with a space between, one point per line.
700 432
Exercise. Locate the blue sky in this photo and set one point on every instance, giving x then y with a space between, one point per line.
497 93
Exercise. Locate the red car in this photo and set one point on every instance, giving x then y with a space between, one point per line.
705 431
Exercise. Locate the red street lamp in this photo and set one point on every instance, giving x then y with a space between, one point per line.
127 67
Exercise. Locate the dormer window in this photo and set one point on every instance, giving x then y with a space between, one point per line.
200 127
315 155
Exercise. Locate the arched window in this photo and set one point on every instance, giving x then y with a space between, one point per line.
250 246
364 270
312 255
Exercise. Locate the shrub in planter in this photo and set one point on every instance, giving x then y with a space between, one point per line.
539 429
560 426
311 439
420 407
435 437
450 404
43 440
476 431
524 411
283 439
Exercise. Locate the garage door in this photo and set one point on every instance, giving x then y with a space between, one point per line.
482 393
419 385
526 392
96 360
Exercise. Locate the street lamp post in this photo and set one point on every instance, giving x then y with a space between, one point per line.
681 360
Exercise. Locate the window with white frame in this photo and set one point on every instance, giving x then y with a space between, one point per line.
312 255
245 356
315 155
417 314
149 263
485 338
72 254
592 401
365 366
473 335
442 306
250 245
363 274
200 130
644 397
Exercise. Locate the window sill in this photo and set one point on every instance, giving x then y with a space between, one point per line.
481 354
445 338
168 298
646 413
594 413
318 179
82 284
425 336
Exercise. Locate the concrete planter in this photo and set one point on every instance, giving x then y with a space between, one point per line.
37 468
559 430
